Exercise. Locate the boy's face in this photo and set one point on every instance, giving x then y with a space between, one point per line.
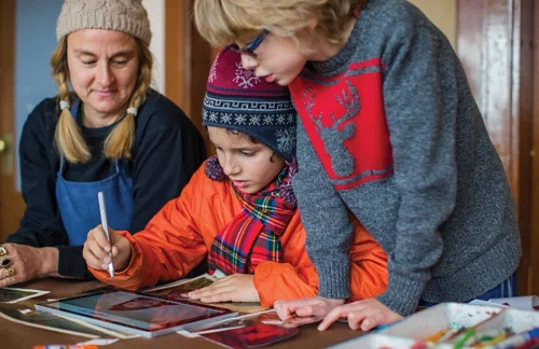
278 59
247 164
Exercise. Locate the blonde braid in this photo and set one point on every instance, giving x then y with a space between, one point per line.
68 136
120 140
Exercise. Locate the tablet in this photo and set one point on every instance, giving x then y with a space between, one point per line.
136 313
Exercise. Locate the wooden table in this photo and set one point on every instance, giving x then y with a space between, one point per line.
15 336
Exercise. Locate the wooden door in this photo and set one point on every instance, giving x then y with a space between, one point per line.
533 241
188 60
494 42
11 203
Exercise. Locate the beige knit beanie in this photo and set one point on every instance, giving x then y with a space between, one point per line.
128 16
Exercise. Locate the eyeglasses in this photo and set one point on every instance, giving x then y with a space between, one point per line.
250 48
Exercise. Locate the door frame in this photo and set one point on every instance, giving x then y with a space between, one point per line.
188 60
533 242
12 204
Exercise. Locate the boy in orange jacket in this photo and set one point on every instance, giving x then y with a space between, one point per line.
238 210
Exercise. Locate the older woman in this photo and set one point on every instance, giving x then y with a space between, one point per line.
110 133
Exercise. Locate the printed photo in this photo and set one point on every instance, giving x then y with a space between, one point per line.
15 295
252 336
174 290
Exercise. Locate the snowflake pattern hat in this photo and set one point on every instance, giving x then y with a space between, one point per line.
237 99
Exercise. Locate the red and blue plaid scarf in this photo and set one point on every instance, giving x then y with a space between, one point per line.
254 234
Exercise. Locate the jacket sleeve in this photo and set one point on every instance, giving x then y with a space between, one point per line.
368 270
283 281
170 245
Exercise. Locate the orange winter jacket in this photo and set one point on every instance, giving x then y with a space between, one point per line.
180 235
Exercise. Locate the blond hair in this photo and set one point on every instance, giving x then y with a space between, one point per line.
221 22
68 136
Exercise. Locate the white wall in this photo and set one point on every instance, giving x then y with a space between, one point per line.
443 13
156 13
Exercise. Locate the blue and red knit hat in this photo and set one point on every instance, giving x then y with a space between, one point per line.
238 100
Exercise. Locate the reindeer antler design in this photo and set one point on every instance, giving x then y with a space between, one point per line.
309 104
349 102
332 137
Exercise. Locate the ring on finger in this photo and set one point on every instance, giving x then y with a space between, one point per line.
4 262
10 272
3 251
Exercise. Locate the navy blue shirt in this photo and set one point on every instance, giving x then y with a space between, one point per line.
167 150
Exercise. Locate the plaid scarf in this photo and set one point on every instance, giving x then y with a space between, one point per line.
253 235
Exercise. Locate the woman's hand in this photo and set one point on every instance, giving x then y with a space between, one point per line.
22 263
233 288
97 247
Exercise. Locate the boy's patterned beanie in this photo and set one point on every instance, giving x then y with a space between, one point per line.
127 16
237 99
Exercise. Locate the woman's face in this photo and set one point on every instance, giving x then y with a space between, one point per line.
103 70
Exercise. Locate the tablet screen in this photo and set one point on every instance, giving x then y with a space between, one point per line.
137 311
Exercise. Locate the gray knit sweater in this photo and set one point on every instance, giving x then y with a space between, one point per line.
390 131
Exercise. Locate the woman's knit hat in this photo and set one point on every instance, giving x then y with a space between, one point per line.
127 16
239 100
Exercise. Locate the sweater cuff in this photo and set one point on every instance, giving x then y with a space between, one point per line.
71 263
402 294
334 276
18 239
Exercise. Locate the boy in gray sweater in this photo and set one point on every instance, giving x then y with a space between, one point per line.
389 132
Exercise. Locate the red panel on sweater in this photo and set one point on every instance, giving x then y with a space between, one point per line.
345 120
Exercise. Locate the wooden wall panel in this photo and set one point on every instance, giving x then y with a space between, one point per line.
188 60
11 203
522 137
494 44
470 18
177 52
533 246
497 79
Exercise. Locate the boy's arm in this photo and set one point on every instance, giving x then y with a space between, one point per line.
368 271
170 245
283 281
420 98
325 219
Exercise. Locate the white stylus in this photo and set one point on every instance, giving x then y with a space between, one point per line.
104 223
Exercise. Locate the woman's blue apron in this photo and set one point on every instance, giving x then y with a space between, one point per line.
77 201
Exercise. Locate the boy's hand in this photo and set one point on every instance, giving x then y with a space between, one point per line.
365 315
96 249
233 288
317 306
